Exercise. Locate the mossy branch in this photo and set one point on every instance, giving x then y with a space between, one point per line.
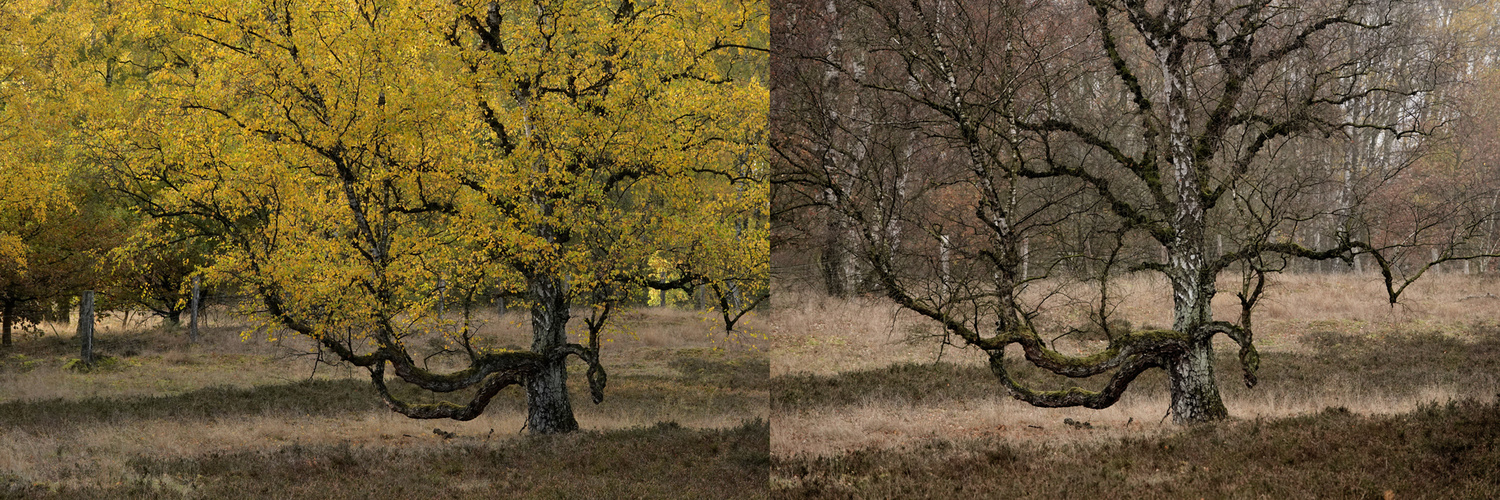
1129 354
498 371
1249 357
1129 368
1149 343
590 355
445 409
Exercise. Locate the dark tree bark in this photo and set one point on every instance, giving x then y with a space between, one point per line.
61 310
548 406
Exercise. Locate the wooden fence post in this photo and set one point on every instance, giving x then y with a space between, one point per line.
193 314
86 328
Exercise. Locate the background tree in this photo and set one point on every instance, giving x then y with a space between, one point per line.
59 257
54 224
154 267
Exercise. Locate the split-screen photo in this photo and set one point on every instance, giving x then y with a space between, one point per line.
749 249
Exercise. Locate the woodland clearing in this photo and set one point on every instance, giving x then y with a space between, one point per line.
685 416
1355 398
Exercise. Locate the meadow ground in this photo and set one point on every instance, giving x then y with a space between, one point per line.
1356 399
684 416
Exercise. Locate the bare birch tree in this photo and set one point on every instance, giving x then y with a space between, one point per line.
1135 136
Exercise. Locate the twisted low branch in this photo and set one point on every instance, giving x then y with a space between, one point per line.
1130 356
596 375
1249 357
501 370
444 409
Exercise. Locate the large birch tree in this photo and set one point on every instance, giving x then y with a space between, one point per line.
357 159
1158 128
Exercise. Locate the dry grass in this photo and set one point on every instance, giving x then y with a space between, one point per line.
1449 304
91 456
156 360
890 425
662 461
1356 399
832 431
812 334
666 460
1436 451
1325 340
165 401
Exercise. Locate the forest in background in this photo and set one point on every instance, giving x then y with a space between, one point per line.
1405 157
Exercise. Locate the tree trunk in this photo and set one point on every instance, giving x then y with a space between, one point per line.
1195 393
62 311
945 278
835 259
548 408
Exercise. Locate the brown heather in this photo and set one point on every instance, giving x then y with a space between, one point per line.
684 417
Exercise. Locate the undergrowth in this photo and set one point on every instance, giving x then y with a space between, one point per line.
661 461
1450 450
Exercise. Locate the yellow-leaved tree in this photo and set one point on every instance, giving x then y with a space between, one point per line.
353 157
58 61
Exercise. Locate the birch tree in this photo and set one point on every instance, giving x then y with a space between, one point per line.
351 156
1153 126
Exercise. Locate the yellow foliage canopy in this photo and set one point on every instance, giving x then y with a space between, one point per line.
354 155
